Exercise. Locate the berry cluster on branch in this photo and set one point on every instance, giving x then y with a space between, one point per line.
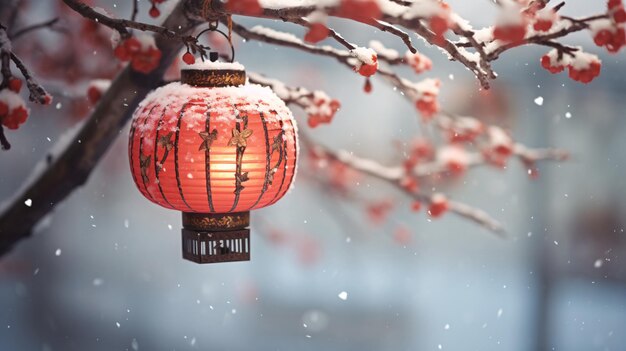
461 142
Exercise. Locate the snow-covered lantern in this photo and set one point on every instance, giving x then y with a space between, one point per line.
213 147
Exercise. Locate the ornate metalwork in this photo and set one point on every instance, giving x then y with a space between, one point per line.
144 163
216 221
165 141
213 78
207 139
214 247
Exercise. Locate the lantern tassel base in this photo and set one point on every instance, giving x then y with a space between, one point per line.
213 238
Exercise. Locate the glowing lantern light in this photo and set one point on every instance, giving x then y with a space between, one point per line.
213 147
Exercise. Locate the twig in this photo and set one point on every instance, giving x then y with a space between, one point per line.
48 23
135 10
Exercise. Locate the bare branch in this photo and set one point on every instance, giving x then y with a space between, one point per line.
73 165
46 24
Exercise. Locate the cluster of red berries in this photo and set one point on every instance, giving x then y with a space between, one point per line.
582 67
143 56
515 30
364 11
463 130
544 20
12 109
440 22
611 38
438 206
420 63
428 105
421 150
499 148
316 33
244 7
511 33
455 159
616 11
322 110
585 74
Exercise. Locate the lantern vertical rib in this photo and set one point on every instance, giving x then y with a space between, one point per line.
176 163
268 160
158 166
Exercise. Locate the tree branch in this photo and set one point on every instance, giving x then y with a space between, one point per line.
72 167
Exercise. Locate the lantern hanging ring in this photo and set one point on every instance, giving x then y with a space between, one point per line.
213 55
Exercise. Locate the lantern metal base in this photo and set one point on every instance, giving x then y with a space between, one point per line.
212 238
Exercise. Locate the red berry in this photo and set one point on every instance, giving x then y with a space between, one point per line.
619 14
602 37
15 85
510 33
439 25
16 117
121 53
402 236
416 206
4 109
585 75
617 41
244 7
47 99
189 59
546 63
438 206
368 86
313 121
147 61
367 70
127 49
427 105
359 10
94 94
154 12
316 33
542 25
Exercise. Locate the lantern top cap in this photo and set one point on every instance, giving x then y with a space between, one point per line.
213 74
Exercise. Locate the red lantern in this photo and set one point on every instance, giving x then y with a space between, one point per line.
213 147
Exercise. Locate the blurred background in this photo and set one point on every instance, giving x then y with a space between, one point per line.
104 271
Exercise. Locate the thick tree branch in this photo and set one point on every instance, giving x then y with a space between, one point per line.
72 167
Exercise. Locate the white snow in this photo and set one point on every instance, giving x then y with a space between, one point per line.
539 101
28 202
343 295
288 37
383 51
602 24
499 138
364 55
11 99
453 154
146 41
582 60
208 65
101 85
